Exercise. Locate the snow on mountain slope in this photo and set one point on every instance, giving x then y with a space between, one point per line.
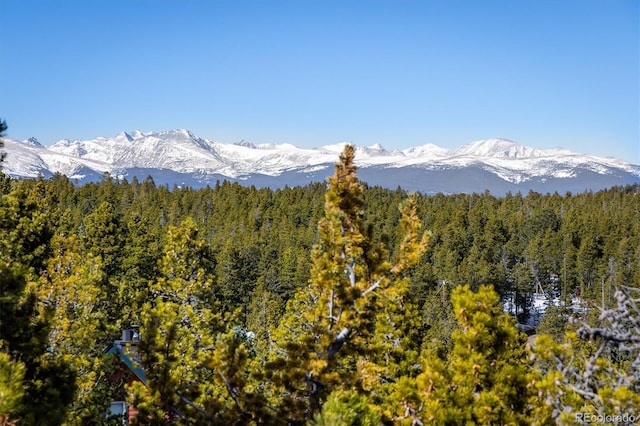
22 158
181 153
428 151
173 150
30 159
496 148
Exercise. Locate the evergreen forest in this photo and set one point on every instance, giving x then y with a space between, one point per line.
330 304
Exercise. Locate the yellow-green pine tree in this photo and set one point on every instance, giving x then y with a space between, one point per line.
329 324
485 378
70 295
47 383
178 332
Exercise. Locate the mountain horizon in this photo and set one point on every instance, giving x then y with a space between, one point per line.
179 157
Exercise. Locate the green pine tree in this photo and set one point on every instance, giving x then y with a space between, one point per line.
485 378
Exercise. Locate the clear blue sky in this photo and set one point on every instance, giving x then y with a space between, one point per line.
400 73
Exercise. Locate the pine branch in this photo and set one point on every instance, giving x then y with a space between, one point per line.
373 286
340 340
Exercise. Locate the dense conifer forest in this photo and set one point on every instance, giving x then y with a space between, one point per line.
330 304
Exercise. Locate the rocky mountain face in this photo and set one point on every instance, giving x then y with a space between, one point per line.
178 157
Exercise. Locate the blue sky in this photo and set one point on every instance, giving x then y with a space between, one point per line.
400 73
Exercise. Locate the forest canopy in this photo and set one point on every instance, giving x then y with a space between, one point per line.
329 304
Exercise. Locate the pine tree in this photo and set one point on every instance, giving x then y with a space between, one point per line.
264 312
484 379
47 382
70 295
104 239
140 265
438 321
329 323
178 333
346 408
11 388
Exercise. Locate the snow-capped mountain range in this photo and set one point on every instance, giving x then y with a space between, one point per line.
178 157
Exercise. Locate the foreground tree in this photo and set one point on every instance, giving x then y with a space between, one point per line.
485 378
39 385
178 333
595 371
70 295
324 338
347 408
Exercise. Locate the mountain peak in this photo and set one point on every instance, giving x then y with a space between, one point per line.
179 133
372 150
124 136
33 142
496 147
245 144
